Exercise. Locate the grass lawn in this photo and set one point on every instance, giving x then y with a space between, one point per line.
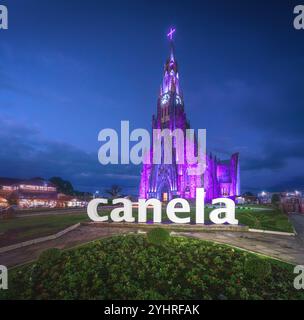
274 220
21 229
133 267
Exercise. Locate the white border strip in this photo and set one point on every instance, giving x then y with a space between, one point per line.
272 232
38 240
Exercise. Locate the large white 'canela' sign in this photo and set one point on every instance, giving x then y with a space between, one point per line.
223 214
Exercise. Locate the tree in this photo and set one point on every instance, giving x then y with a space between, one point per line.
248 194
275 199
63 186
114 191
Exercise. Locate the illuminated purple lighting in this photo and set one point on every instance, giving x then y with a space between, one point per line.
167 181
170 34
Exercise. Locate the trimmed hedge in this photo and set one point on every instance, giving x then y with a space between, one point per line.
129 267
158 236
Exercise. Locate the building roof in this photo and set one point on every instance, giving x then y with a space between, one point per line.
65 197
37 182
32 182
34 195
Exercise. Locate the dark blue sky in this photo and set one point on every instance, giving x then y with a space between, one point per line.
71 68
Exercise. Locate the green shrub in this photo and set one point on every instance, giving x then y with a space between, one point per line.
50 256
127 267
158 236
257 269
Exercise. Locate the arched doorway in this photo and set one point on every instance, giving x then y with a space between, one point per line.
164 193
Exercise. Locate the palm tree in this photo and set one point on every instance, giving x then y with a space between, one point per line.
114 191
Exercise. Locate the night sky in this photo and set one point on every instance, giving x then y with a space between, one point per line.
70 68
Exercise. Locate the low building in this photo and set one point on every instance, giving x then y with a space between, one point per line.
264 197
35 193
247 199
67 201
28 193
3 203
292 202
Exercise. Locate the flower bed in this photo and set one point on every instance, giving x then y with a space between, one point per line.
130 267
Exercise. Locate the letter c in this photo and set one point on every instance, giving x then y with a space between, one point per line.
92 210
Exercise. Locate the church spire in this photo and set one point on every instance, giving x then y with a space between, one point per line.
170 37
171 78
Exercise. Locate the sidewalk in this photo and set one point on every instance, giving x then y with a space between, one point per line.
285 248
297 219
282 247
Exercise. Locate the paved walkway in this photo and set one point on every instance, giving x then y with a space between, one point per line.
297 219
81 235
286 248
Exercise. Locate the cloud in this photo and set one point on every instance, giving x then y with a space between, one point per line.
10 84
292 183
274 155
261 120
275 108
25 154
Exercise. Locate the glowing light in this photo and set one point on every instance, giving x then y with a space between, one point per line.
170 34
220 178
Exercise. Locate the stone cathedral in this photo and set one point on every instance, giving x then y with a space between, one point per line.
167 181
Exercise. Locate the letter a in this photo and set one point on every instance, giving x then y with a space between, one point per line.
298 22
3 277
3 17
229 210
110 147
299 280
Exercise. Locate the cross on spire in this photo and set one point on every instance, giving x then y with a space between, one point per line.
170 34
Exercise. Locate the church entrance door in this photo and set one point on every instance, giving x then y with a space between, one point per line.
165 197
164 194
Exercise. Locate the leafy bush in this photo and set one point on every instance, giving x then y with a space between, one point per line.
49 256
158 236
257 269
275 199
129 267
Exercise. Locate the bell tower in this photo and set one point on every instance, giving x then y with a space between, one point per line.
170 104
165 181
